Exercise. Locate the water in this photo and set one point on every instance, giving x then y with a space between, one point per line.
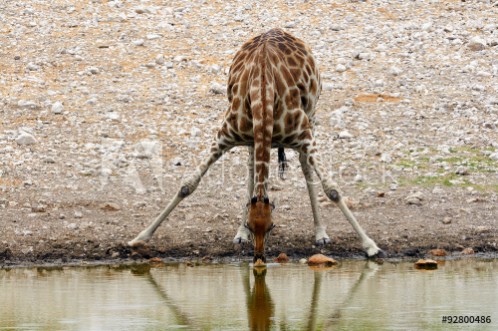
355 295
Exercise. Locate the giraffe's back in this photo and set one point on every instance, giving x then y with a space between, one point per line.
293 75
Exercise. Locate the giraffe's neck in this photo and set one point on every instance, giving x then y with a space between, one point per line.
262 95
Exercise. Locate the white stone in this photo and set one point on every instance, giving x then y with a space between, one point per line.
138 42
340 68
57 107
345 135
25 139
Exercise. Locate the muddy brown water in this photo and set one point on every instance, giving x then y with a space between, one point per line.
354 295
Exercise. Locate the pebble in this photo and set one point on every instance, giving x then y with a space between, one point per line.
446 220
138 42
462 171
32 67
26 139
340 68
345 135
217 88
476 44
57 107
415 199
159 59
78 214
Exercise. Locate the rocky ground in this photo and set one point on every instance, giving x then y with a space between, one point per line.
106 105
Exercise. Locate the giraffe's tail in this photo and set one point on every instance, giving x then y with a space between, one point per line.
282 162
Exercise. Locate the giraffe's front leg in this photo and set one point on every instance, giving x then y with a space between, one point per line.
332 192
321 237
187 188
243 233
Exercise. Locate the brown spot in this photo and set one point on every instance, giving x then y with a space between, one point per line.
289 124
296 74
260 152
292 99
282 47
291 61
304 135
235 103
308 69
306 77
299 59
313 87
287 75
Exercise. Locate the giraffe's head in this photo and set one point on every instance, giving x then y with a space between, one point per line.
260 224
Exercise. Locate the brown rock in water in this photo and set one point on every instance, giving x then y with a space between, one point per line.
438 252
468 251
282 258
426 264
321 260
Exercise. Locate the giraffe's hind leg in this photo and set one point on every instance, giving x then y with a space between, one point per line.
321 237
308 148
188 187
243 233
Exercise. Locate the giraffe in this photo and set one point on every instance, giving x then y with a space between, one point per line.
273 87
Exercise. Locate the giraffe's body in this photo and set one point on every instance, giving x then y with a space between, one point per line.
273 88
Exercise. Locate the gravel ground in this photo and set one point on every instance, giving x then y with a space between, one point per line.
106 105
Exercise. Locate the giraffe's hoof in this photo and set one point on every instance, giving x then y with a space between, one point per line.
137 243
242 235
379 255
240 240
322 241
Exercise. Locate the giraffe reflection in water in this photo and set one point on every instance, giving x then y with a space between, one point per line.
260 306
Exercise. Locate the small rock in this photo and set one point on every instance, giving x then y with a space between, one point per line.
340 68
110 206
138 42
57 107
39 208
476 44
462 171
282 258
415 199
327 86
345 135
468 251
78 214
438 252
160 59
153 36
25 139
217 88
321 260
426 264
395 71
446 220
303 261
32 67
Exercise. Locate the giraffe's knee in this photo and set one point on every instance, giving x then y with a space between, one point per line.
184 191
333 195
188 187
